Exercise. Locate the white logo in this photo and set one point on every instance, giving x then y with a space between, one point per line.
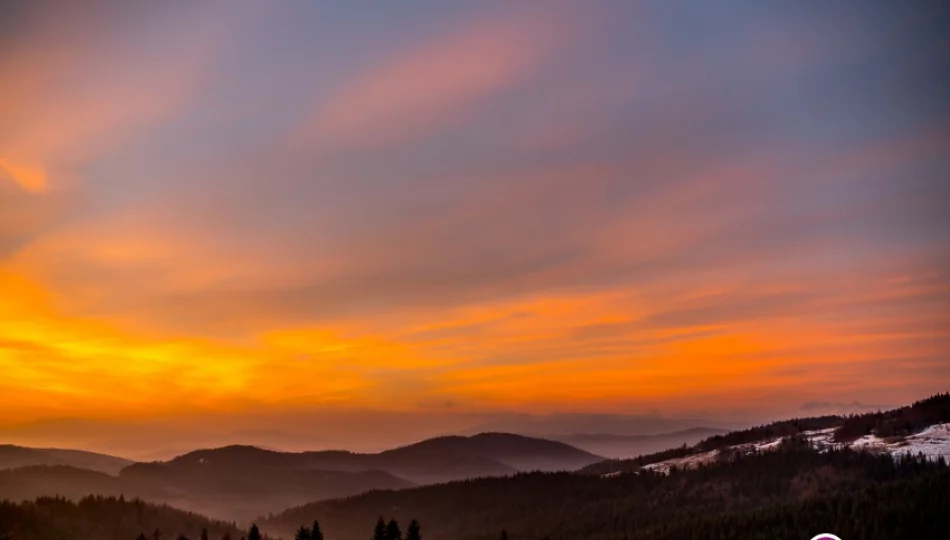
825 536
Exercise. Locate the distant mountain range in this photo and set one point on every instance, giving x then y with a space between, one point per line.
239 482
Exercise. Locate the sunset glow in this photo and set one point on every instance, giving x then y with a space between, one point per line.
260 215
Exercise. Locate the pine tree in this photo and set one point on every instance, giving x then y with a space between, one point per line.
204 534
379 533
412 531
504 534
303 533
392 530
254 533
141 536
316 533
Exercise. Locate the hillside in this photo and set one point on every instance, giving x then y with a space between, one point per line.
28 483
99 518
12 457
240 492
919 427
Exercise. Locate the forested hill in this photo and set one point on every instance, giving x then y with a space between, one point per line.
564 506
104 518
891 426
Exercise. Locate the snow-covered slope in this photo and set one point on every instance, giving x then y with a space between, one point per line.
932 442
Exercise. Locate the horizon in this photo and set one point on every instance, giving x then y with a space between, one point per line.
318 225
114 440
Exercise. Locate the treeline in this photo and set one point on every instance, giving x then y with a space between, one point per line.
254 533
897 422
630 465
104 518
382 531
564 506
775 430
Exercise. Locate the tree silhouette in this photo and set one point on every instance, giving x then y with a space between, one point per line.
254 533
412 531
316 533
141 536
379 532
303 533
392 530
504 535
204 534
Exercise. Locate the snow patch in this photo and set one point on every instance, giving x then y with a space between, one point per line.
686 462
932 442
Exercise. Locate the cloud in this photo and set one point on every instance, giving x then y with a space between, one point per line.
419 90
77 94
510 212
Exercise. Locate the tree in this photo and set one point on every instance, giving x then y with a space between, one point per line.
254 533
204 534
303 533
504 534
141 536
412 531
182 537
316 533
379 533
392 530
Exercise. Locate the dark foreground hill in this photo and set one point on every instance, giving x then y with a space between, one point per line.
103 518
766 488
12 457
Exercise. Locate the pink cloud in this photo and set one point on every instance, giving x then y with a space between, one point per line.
419 90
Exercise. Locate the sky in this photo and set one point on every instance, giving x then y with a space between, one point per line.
360 224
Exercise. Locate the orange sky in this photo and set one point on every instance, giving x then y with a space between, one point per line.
261 211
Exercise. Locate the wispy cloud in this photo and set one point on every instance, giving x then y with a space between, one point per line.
418 90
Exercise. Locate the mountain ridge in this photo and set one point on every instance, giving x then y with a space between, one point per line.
15 456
